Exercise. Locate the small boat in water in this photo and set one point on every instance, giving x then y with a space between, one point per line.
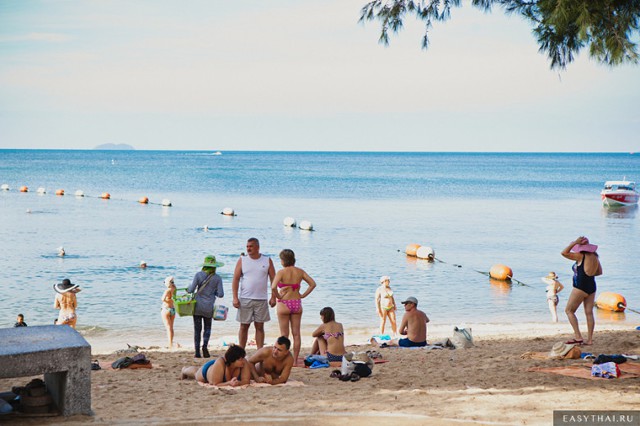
619 193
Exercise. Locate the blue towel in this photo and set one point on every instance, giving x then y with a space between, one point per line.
319 364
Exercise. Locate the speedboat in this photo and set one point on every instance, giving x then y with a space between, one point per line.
619 193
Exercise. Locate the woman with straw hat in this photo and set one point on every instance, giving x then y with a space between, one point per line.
206 285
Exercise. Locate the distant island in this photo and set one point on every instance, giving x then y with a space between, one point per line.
115 147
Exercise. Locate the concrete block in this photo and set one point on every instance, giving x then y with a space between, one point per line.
57 351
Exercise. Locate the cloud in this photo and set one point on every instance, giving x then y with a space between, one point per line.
43 37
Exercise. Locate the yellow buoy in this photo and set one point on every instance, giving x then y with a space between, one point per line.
24 189
611 302
500 272
412 249
59 191
105 196
143 200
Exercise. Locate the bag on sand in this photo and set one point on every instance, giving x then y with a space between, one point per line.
462 338
351 360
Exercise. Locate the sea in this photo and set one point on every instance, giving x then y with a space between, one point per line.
475 210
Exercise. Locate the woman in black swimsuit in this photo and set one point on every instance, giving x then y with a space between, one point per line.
585 269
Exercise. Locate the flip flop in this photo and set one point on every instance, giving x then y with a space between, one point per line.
355 377
335 373
574 342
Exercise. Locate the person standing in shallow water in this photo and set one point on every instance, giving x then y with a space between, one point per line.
585 269
67 302
207 285
168 310
386 304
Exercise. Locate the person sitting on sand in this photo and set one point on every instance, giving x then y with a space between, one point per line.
413 325
231 369
329 337
553 288
386 304
272 365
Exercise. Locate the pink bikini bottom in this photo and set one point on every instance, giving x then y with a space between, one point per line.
294 305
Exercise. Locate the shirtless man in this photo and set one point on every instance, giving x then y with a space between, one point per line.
272 364
414 326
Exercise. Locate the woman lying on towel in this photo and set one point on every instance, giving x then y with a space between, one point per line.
231 369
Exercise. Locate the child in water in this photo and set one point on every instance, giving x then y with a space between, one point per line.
553 288
386 304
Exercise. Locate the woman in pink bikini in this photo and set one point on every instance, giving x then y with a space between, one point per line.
286 288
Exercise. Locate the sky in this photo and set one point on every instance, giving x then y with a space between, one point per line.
296 76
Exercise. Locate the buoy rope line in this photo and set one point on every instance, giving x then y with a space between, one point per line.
480 272
102 198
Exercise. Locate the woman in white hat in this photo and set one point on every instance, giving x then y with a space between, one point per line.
386 304
585 269
168 310
67 302
553 288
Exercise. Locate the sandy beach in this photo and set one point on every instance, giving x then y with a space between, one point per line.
487 384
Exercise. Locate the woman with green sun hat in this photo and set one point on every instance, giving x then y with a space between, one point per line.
207 285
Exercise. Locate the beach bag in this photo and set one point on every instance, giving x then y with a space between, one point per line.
462 338
220 312
185 304
351 360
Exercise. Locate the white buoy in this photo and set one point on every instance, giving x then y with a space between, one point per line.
425 252
228 211
41 190
79 193
305 225
4 187
166 202
289 222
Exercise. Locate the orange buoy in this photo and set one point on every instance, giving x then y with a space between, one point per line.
105 196
143 200
24 189
412 249
611 302
59 191
500 272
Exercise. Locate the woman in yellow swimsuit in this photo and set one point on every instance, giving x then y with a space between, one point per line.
168 310
386 304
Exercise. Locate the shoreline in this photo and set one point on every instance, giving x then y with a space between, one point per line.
107 342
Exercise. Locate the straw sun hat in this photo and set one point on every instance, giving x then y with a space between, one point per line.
560 349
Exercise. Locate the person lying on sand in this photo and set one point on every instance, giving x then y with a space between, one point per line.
414 326
231 369
272 364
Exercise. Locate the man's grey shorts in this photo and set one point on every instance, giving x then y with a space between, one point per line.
253 310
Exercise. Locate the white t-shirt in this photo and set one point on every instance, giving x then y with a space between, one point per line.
254 282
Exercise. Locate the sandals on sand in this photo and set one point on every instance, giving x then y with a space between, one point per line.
575 342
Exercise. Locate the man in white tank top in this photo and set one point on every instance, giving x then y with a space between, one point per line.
251 287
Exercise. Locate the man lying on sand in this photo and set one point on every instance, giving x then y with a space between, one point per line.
414 326
272 364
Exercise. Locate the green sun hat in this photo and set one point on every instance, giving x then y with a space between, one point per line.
210 262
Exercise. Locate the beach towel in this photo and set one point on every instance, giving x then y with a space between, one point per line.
107 365
628 370
252 384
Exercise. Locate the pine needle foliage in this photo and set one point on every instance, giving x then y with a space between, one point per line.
562 28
